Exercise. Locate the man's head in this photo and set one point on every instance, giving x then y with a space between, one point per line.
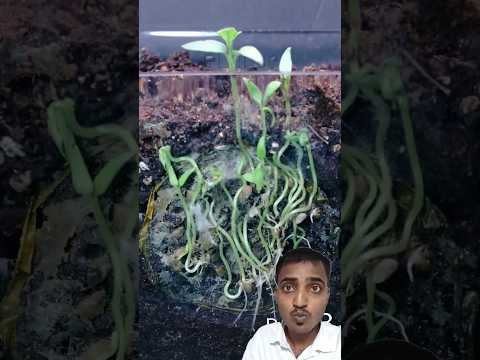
302 293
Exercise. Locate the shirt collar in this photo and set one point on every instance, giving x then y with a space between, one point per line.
279 336
325 341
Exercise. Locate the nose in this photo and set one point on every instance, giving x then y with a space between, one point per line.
300 299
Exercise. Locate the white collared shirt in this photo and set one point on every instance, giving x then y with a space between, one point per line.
270 343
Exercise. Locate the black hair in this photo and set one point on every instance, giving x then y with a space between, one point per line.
303 254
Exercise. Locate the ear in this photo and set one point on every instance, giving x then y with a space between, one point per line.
275 293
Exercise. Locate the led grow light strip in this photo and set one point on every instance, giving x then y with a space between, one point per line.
182 33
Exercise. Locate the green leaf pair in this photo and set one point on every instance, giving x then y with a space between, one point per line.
303 137
257 177
256 94
63 127
300 137
228 35
165 156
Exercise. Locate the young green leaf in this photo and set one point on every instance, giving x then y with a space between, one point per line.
256 177
105 177
240 166
270 90
285 66
63 112
252 53
253 91
183 179
211 46
228 35
164 155
172 177
82 182
303 138
56 125
68 107
262 148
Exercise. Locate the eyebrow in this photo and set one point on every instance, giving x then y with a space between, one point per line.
309 279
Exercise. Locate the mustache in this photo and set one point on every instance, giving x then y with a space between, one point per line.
299 312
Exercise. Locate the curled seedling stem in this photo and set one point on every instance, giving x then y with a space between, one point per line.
64 130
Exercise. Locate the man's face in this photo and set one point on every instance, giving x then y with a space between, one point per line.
302 295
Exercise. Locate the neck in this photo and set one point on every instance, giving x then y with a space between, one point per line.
299 342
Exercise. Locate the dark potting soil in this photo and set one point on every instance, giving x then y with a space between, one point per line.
49 50
440 307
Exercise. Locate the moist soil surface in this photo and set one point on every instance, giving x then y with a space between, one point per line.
51 50
439 309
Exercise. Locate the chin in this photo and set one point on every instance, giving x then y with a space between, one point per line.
303 328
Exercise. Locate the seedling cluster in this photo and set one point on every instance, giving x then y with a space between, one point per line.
373 215
65 132
267 201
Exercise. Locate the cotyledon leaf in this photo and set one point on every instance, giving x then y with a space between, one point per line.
285 66
183 179
253 91
211 46
105 177
81 179
228 34
256 177
270 90
261 148
252 53
56 125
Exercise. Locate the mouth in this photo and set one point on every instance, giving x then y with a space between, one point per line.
299 316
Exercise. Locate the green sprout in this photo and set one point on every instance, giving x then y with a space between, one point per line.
373 214
64 130
285 68
261 100
257 176
229 35
166 159
251 230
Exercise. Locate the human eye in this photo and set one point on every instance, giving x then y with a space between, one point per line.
316 288
288 287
